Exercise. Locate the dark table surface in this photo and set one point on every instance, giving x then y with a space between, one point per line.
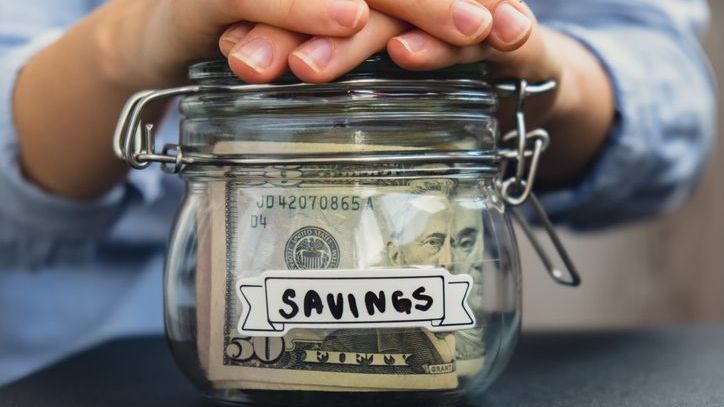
678 366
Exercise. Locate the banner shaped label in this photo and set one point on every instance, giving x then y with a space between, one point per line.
278 301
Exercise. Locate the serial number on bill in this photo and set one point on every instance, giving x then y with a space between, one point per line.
315 202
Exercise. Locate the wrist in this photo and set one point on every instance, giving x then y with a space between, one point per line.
566 99
125 53
563 101
581 114
114 34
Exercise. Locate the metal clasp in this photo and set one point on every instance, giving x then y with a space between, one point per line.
518 188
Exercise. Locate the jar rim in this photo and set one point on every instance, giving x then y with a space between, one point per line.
378 66
378 109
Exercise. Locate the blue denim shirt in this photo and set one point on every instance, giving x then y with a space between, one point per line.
75 273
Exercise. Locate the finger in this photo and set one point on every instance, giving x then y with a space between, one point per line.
261 55
318 17
513 23
417 50
233 35
458 22
323 59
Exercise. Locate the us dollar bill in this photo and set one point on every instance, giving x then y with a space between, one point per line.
259 227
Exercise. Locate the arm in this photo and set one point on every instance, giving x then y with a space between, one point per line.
68 96
664 101
36 227
60 93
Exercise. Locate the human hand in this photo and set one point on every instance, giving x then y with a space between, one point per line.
149 43
448 32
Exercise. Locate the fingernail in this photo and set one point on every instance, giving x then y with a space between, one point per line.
346 13
316 53
413 41
510 24
470 19
257 54
235 34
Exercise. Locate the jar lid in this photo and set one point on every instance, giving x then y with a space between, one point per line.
376 108
378 66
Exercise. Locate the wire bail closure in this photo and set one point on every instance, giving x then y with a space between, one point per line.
518 189
134 142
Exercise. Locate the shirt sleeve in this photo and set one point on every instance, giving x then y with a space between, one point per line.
38 228
665 105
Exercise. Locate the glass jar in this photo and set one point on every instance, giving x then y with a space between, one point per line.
338 243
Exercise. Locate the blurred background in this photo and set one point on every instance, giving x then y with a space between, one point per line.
668 271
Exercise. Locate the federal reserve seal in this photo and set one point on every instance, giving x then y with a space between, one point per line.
311 248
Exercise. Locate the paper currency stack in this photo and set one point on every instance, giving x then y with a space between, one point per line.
309 220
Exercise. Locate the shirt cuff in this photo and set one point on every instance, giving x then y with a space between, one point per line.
22 202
